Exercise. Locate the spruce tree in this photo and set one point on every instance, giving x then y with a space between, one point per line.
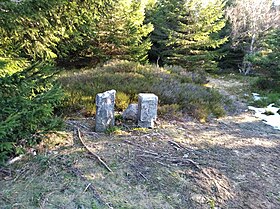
72 30
186 32
122 33
267 60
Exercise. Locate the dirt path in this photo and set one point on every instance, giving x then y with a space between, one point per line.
243 150
231 162
241 155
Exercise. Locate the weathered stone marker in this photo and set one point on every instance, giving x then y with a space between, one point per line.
131 112
105 103
147 110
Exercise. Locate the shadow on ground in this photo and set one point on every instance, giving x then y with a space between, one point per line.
227 163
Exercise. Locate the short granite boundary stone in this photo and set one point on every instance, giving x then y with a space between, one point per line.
145 116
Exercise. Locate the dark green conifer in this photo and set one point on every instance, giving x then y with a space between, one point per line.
186 32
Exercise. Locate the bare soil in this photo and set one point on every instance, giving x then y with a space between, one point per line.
232 162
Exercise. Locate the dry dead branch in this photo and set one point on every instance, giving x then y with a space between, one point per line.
92 153
175 145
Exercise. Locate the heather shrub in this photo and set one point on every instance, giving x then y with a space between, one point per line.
173 87
122 101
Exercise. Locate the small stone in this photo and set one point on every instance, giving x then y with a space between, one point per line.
131 112
105 103
147 110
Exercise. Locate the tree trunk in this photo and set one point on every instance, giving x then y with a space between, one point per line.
252 44
247 65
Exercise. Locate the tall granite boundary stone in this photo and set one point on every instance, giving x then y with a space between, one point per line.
105 103
147 110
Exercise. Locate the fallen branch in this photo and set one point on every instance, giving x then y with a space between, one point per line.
175 144
18 158
143 176
95 155
148 152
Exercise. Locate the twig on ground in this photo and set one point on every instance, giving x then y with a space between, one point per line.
6 172
175 145
160 157
143 149
95 155
94 134
193 163
18 158
126 126
5 199
144 177
87 187
77 124
44 200
178 145
150 156
176 160
161 163
148 152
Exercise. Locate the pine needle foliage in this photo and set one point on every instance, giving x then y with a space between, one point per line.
27 103
268 58
122 33
186 32
69 31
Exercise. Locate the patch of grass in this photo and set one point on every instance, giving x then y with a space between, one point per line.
212 203
266 99
173 86
113 130
171 109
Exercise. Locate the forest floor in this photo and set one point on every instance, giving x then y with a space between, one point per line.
231 162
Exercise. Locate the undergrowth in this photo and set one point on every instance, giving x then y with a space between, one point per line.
28 99
267 99
174 87
269 91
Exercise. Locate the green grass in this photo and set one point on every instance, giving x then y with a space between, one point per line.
267 98
269 91
173 86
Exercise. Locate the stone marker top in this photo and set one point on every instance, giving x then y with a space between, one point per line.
106 94
147 96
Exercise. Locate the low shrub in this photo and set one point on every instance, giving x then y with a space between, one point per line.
172 86
169 110
266 84
193 99
28 101
122 101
